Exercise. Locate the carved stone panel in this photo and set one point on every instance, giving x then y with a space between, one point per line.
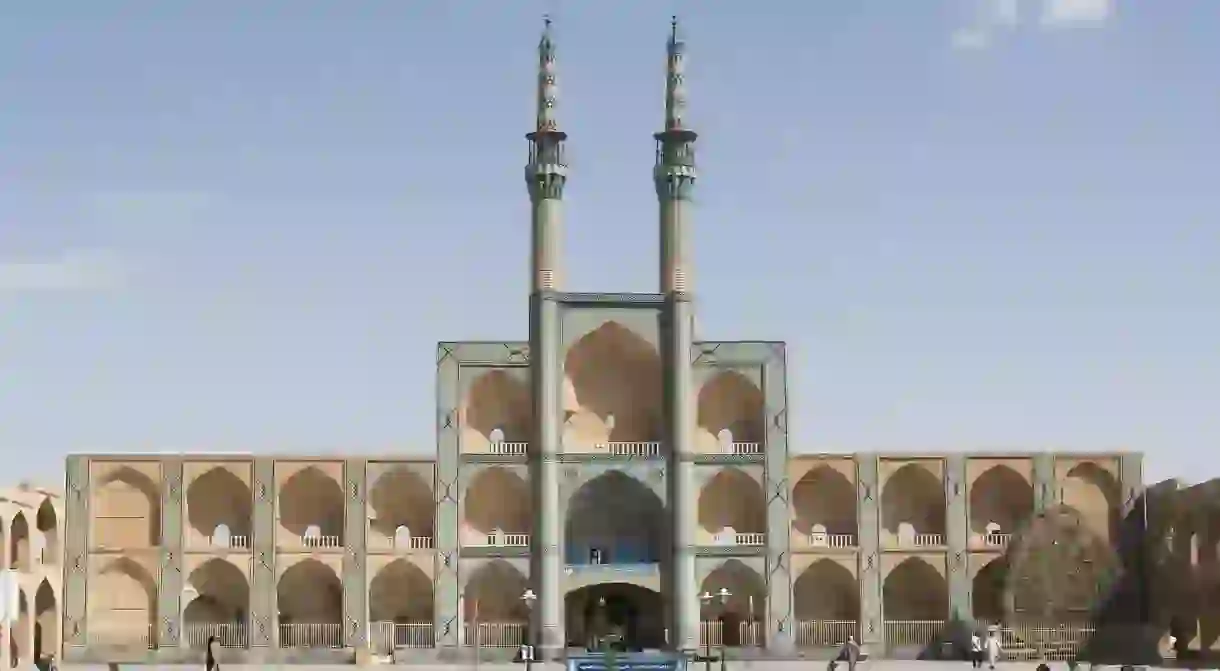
263 609
76 543
779 509
355 530
448 459
169 596
869 570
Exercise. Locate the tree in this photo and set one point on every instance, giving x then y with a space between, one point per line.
1059 570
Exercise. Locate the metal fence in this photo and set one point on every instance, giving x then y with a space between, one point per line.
1031 641
825 633
312 635
748 635
228 635
494 634
907 633
384 637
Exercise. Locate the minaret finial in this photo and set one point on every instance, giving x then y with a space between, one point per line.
548 89
675 84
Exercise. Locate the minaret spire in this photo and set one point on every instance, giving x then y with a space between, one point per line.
674 173
675 85
547 171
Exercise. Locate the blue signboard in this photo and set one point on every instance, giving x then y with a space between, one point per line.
628 662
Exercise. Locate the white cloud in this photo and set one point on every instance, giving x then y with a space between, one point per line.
1060 12
72 271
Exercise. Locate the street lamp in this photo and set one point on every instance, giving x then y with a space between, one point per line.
527 650
721 597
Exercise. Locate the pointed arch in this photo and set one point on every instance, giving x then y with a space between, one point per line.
826 591
310 592
614 378
401 498
614 519
312 498
729 401
19 543
499 404
824 498
915 590
47 521
732 500
988 592
219 498
222 594
747 601
1095 493
46 620
124 604
1001 497
128 505
496 499
913 496
493 594
401 593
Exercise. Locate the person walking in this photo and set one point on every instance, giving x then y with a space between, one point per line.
212 665
851 650
976 650
993 648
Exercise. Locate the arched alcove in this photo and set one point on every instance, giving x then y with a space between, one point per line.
824 497
731 499
612 372
128 510
498 409
826 591
614 519
125 594
48 525
497 499
401 498
988 590
915 590
219 498
46 620
400 593
310 593
493 594
20 633
730 401
1095 494
312 498
222 595
912 495
19 543
747 601
1000 496
633 612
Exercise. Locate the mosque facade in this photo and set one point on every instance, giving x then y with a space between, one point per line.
614 473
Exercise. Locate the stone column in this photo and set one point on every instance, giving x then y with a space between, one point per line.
447 615
169 597
683 491
777 488
76 559
355 555
1046 489
957 535
868 515
263 627
546 543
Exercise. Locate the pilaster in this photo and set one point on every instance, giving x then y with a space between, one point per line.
169 597
355 534
446 601
868 516
683 490
1046 490
546 555
264 611
957 530
76 557
780 580
1131 479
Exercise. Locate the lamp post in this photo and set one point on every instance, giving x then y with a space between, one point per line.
527 650
721 597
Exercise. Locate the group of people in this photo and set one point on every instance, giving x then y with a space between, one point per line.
984 650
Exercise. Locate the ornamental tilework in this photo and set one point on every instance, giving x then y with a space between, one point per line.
355 529
263 610
76 543
169 596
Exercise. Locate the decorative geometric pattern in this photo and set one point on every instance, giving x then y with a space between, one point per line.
705 353
170 594
262 573
75 542
355 583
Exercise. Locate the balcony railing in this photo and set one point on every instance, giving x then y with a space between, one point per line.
747 448
825 633
515 449
228 634
500 539
321 542
494 634
740 539
232 543
929 540
385 637
312 635
414 543
629 449
836 541
997 540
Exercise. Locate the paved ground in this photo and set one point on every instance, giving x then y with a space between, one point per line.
879 665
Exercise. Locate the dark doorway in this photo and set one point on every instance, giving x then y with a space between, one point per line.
619 611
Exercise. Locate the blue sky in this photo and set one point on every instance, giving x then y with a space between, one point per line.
243 226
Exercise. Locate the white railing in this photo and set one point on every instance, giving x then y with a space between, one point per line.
747 448
499 539
712 634
928 540
112 635
312 635
515 449
413 543
906 633
228 634
1030 641
630 449
494 634
750 539
385 637
824 540
825 633
997 540
320 542
233 543
516 540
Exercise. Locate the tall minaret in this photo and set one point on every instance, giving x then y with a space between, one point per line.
674 177
545 175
